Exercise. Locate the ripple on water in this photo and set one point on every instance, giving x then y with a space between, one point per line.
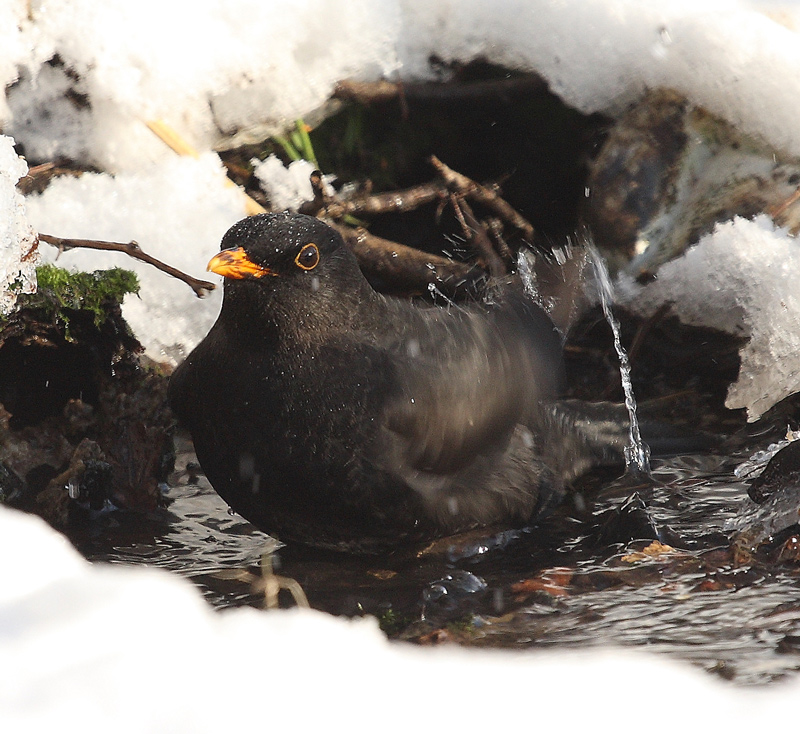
550 586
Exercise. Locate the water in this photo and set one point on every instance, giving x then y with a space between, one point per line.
637 454
642 561
558 584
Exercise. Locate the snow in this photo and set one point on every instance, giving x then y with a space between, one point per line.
287 187
206 67
748 271
177 211
90 648
87 75
17 239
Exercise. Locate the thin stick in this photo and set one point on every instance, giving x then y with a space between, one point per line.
477 236
475 191
476 91
406 268
132 249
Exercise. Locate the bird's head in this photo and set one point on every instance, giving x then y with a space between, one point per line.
290 268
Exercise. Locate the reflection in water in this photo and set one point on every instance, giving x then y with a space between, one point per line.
557 584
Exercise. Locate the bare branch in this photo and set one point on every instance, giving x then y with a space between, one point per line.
488 89
477 236
200 287
405 268
483 195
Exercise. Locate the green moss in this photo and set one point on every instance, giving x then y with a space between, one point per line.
465 626
60 290
392 623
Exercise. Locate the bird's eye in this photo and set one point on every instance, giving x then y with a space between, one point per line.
308 257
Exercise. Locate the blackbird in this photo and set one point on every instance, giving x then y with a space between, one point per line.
331 415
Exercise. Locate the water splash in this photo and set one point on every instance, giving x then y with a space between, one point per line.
637 453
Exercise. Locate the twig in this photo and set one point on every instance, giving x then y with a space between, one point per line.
200 287
495 227
405 200
484 195
318 205
780 209
272 584
405 268
477 236
490 89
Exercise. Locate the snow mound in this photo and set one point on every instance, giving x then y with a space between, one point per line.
17 239
741 279
91 648
177 211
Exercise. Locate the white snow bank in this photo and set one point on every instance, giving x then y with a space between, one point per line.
287 187
742 279
177 211
228 65
207 67
599 55
91 648
17 255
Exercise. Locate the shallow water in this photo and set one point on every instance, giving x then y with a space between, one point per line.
584 576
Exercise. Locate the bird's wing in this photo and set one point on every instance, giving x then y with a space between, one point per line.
464 379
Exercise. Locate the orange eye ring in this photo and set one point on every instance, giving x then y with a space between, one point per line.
308 257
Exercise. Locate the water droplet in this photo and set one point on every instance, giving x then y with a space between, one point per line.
637 453
452 505
74 488
413 349
527 438
498 601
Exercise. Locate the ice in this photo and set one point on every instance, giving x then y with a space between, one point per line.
90 648
742 279
17 240
177 211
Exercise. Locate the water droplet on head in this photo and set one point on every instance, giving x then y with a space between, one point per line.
413 349
452 505
247 465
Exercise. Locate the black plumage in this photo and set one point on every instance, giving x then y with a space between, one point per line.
328 414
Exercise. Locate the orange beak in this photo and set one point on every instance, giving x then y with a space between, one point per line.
234 263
